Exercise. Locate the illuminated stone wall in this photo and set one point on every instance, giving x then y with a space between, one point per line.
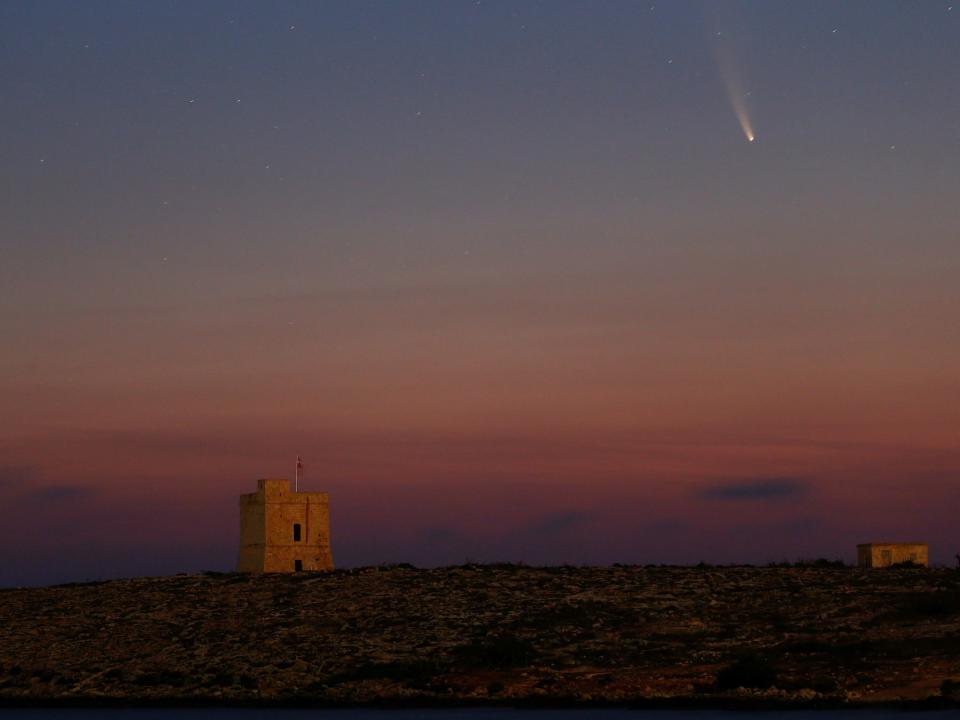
268 540
875 555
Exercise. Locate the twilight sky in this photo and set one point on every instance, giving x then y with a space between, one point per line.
508 275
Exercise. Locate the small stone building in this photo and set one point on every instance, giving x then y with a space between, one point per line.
878 555
284 531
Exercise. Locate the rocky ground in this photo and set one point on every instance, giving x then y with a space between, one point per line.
496 633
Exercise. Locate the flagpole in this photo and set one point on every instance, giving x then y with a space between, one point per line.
296 477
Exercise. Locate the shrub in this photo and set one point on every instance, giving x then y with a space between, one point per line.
498 653
172 678
824 563
396 566
806 647
906 565
506 566
417 670
933 604
824 685
749 671
223 679
819 563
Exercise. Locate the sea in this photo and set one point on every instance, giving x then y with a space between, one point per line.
463 714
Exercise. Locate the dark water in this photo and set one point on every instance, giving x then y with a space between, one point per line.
467 714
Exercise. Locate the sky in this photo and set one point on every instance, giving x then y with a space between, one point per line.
511 277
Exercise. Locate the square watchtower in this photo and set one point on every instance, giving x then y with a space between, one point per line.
284 531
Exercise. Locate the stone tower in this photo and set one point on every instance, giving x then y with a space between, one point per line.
284 531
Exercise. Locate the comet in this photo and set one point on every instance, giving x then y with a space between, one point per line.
733 84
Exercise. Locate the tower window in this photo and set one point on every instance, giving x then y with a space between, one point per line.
298 565
296 532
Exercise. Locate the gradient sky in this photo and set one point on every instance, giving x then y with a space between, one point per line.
508 276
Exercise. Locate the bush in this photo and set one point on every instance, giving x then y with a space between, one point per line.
222 679
821 563
417 670
173 678
906 565
824 563
806 647
498 653
933 604
749 671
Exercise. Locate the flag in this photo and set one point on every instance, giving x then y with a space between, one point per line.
299 464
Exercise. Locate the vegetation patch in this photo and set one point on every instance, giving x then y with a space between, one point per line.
414 672
950 689
498 653
171 678
932 604
750 671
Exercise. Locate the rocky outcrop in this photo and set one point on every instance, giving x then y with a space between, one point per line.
495 633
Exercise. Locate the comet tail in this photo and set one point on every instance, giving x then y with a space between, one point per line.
735 92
